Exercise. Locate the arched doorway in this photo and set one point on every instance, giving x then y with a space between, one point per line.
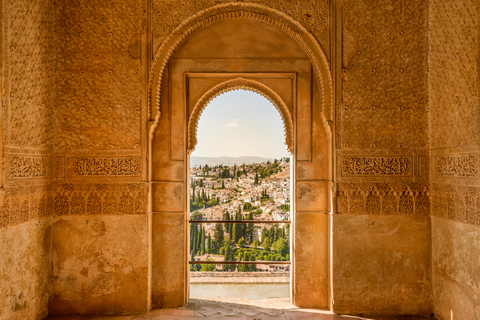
240 46
240 171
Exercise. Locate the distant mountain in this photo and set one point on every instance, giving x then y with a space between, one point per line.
226 161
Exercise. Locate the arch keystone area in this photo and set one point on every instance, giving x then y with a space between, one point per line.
204 18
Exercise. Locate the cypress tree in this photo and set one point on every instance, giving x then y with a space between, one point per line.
202 242
209 244
199 238
192 256
237 229
218 236
228 225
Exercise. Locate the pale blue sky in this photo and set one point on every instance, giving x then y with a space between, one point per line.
240 123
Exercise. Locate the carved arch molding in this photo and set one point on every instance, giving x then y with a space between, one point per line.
245 84
181 86
242 10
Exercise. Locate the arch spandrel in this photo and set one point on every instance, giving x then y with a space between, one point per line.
236 84
204 18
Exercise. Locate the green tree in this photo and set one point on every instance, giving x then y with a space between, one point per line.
256 179
209 244
228 226
249 229
229 256
250 267
192 255
281 247
218 236
202 242
237 228
241 243
242 267
208 267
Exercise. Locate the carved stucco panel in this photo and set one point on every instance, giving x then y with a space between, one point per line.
99 78
29 63
384 75
453 73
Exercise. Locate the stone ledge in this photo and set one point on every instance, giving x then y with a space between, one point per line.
239 277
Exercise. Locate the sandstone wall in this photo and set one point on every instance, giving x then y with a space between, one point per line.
74 124
381 229
455 147
100 227
27 106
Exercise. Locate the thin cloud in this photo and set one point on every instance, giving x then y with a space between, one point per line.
237 119
231 124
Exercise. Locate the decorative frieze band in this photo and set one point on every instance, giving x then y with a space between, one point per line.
457 166
376 166
22 204
34 166
28 167
383 198
457 203
106 166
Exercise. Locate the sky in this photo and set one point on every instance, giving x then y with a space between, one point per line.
240 123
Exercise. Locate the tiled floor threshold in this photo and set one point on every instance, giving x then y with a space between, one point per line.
233 308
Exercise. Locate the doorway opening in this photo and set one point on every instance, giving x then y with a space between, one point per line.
239 201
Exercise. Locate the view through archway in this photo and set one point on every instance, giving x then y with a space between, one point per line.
239 204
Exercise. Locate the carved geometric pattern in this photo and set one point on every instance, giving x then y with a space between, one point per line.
99 81
27 167
250 11
457 203
457 166
383 198
384 76
369 165
95 199
29 78
245 84
313 15
22 204
453 73
106 166
33 166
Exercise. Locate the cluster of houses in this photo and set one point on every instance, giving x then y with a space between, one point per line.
233 193
236 192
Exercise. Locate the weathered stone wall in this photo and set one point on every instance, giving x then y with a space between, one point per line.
381 229
27 106
455 154
74 124
100 227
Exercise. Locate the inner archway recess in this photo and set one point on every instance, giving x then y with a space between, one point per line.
187 72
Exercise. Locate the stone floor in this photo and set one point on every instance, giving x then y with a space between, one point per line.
233 308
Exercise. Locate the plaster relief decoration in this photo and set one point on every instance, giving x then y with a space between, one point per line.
375 166
33 166
457 166
249 11
457 203
28 167
22 204
106 166
95 199
383 198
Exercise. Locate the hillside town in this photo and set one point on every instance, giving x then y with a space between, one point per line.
258 191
